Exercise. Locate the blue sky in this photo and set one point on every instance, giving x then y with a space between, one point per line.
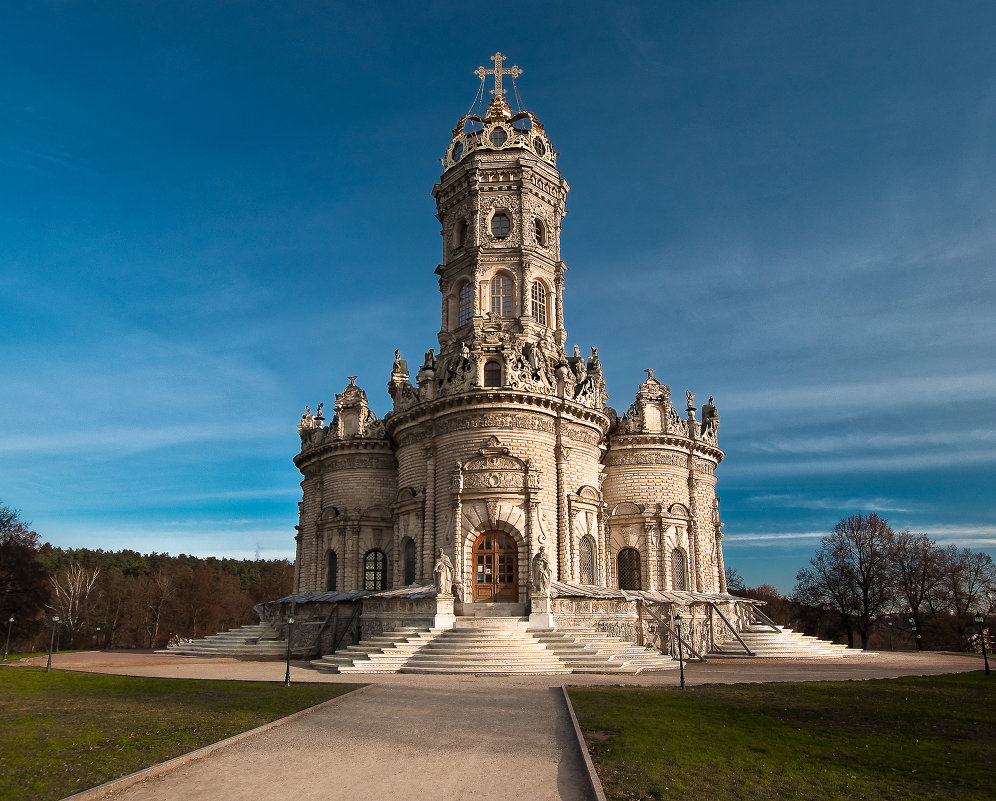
214 212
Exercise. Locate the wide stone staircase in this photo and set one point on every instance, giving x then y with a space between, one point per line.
488 645
778 642
255 642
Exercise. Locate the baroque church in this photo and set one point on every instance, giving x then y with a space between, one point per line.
501 483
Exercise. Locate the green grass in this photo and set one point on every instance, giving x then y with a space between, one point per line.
913 738
63 732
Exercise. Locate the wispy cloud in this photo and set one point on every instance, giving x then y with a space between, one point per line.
789 501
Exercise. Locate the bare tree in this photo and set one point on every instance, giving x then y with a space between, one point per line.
851 573
917 563
71 589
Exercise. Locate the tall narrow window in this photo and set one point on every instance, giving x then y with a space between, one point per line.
679 573
540 231
465 304
374 570
331 569
539 302
501 295
586 560
408 554
492 374
629 569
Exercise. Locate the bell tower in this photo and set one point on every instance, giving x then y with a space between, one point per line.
501 203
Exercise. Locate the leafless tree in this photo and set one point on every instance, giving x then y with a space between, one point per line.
71 589
851 573
917 563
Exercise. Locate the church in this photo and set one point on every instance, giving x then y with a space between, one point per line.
501 484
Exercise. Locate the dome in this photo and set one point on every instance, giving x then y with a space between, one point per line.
499 128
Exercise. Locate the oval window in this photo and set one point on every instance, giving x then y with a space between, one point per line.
538 146
501 225
498 136
457 151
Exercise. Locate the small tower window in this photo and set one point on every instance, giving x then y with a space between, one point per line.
540 231
539 302
586 560
374 570
460 233
501 295
501 225
492 374
408 552
499 136
465 303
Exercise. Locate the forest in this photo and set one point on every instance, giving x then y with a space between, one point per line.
123 599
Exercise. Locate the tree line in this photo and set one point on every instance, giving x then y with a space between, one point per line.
124 599
897 589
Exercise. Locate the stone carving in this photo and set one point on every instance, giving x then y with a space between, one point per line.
674 459
444 574
542 573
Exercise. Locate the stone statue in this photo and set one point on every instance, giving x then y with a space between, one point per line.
318 412
430 360
690 396
444 574
577 352
465 352
400 365
542 573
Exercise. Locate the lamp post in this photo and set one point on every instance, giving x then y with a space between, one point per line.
96 639
681 653
982 636
290 631
6 645
51 643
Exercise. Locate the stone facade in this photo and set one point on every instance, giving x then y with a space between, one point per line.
502 443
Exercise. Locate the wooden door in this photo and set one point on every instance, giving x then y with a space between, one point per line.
495 568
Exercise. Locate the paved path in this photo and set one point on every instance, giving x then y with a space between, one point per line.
439 737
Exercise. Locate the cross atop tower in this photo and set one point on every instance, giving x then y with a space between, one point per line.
498 59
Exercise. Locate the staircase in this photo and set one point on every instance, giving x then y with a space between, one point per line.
779 642
256 642
483 644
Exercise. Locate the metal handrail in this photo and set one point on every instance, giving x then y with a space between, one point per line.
667 624
730 626
765 619
342 634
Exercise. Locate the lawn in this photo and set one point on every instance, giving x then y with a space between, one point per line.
63 732
911 738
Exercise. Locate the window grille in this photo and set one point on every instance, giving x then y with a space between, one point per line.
679 572
586 561
409 557
375 570
629 569
465 304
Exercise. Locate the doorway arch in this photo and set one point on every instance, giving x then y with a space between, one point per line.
495 561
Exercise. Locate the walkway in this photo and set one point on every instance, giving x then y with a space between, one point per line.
440 737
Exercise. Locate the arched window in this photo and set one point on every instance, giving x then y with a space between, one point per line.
501 225
465 303
586 560
408 557
540 230
460 233
501 295
374 570
679 572
331 569
492 374
629 569
539 302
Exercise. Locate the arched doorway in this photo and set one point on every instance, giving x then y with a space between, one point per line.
628 562
495 575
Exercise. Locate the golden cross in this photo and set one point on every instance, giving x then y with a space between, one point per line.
498 58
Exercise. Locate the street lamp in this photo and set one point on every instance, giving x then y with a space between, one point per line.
982 636
6 645
51 643
290 630
681 653
96 639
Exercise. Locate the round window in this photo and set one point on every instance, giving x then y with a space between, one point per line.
457 151
498 136
538 146
501 226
